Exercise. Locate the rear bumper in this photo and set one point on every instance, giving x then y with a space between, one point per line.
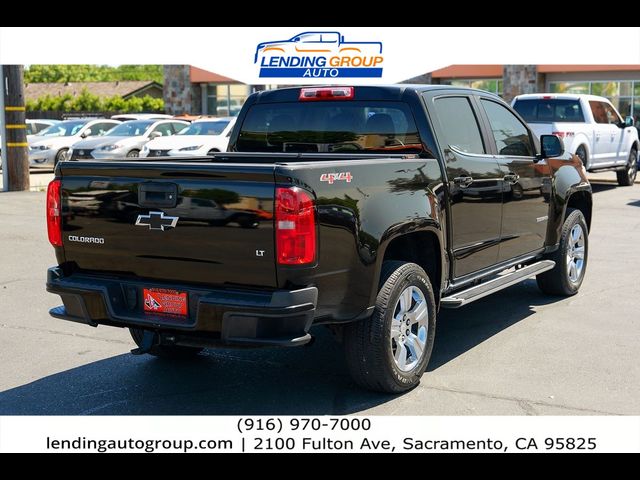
216 316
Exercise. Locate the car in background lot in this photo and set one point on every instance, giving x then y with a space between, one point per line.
33 127
126 140
201 138
591 128
123 117
51 145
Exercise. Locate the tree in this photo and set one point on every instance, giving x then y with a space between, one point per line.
92 73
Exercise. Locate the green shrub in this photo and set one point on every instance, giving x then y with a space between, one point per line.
88 102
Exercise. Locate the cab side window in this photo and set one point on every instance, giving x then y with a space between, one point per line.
102 128
612 115
99 129
599 111
459 124
511 136
164 129
177 127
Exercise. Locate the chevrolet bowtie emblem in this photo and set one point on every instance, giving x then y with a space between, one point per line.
156 221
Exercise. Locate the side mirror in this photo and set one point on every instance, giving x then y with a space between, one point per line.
628 122
153 135
552 146
85 134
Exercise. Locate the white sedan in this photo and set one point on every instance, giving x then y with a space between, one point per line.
52 144
201 138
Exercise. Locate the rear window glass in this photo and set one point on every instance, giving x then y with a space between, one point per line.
549 110
330 127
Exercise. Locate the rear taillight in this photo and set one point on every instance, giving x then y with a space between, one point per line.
326 93
54 214
295 227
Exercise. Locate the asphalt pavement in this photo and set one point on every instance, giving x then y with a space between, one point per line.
515 353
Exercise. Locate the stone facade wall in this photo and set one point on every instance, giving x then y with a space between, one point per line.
180 95
520 79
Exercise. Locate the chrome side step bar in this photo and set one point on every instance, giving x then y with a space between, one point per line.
459 299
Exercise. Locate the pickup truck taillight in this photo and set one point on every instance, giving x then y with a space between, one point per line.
54 214
326 93
295 227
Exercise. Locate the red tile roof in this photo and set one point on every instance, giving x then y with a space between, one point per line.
198 75
468 71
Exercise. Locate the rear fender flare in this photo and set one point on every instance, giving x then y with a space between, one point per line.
393 233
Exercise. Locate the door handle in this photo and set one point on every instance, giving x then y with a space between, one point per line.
463 182
511 178
157 195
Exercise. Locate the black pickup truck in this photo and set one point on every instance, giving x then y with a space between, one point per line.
363 208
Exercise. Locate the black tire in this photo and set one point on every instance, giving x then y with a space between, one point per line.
369 344
557 281
133 153
60 156
246 221
581 152
627 177
165 351
212 152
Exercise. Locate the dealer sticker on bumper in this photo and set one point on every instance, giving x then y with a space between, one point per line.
161 300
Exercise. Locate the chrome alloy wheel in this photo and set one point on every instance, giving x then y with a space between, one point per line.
409 328
575 254
632 169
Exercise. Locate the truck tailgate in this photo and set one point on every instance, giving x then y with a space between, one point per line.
183 222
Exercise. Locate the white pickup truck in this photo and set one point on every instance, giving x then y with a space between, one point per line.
591 128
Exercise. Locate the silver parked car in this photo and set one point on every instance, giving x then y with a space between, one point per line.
51 145
35 126
126 140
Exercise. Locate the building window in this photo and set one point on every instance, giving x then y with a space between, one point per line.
579 88
225 100
624 95
492 85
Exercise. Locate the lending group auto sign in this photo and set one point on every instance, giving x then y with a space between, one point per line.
319 55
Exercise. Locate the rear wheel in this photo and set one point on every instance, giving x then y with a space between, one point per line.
164 351
627 176
133 154
571 258
390 351
246 221
212 152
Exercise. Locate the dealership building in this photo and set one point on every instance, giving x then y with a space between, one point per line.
191 90
619 83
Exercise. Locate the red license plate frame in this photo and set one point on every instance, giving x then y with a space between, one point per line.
165 301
